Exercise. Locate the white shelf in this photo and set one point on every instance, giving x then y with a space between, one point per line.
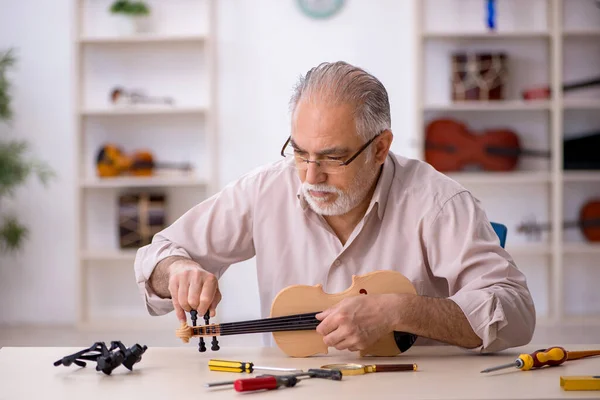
582 104
581 248
534 249
108 255
582 33
143 39
143 110
153 181
485 35
509 105
555 49
494 178
581 176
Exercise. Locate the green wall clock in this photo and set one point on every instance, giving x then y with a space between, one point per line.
320 9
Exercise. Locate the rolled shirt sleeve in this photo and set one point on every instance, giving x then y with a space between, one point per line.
215 233
482 277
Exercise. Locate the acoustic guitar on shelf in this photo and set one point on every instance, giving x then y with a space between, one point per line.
588 223
450 146
293 324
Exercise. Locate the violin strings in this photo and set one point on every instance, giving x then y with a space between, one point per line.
279 328
285 318
285 323
266 325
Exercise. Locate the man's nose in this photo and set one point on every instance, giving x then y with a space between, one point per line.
314 174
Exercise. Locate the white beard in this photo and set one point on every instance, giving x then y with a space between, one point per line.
345 201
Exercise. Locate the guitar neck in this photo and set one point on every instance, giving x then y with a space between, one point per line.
296 322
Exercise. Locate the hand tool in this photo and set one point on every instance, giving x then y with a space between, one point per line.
242 366
358 369
551 356
268 382
580 382
311 373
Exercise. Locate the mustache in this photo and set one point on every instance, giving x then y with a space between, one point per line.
320 188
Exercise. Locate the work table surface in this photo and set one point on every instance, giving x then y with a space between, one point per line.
181 372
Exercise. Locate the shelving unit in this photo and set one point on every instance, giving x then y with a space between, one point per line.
548 42
175 58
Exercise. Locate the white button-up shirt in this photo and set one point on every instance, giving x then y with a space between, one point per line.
419 223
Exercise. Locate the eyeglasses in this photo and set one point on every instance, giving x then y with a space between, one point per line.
330 165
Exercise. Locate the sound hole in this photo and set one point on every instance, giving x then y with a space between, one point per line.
362 291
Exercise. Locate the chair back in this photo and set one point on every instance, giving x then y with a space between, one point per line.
501 230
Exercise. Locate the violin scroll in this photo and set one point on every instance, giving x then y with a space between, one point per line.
184 332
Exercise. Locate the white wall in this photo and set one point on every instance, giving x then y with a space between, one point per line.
264 45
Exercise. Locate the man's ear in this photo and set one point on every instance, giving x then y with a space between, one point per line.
382 146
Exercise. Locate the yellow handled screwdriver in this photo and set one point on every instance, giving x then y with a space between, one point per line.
552 356
242 366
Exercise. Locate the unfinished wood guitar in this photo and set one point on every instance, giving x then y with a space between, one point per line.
292 320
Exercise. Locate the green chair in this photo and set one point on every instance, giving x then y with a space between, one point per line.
501 230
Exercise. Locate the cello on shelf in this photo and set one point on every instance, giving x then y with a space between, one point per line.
588 223
450 147
293 324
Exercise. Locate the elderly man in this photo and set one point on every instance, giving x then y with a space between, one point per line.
340 204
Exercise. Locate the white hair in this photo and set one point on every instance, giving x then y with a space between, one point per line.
342 83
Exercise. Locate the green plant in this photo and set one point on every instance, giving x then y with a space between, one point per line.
15 165
130 8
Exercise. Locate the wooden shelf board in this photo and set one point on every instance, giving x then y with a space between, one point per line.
492 178
486 35
142 110
155 181
581 248
508 105
152 38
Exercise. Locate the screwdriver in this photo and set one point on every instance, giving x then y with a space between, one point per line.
241 366
551 356
311 373
262 382
267 382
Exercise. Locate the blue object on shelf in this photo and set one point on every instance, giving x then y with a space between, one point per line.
491 14
501 230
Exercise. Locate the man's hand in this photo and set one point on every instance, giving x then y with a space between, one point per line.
357 322
192 288
187 284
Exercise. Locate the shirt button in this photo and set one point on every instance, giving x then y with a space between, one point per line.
337 263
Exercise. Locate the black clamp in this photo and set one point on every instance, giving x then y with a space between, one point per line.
107 359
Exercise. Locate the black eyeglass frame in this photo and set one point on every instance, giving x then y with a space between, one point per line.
342 164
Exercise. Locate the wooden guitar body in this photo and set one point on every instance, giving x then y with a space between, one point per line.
300 299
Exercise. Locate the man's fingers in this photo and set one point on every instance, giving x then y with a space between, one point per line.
335 338
328 325
209 289
174 289
182 295
193 297
216 300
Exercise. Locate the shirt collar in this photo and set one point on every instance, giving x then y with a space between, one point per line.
380 195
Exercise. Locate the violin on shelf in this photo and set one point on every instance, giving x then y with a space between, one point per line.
293 324
588 223
111 161
450 146
544 92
